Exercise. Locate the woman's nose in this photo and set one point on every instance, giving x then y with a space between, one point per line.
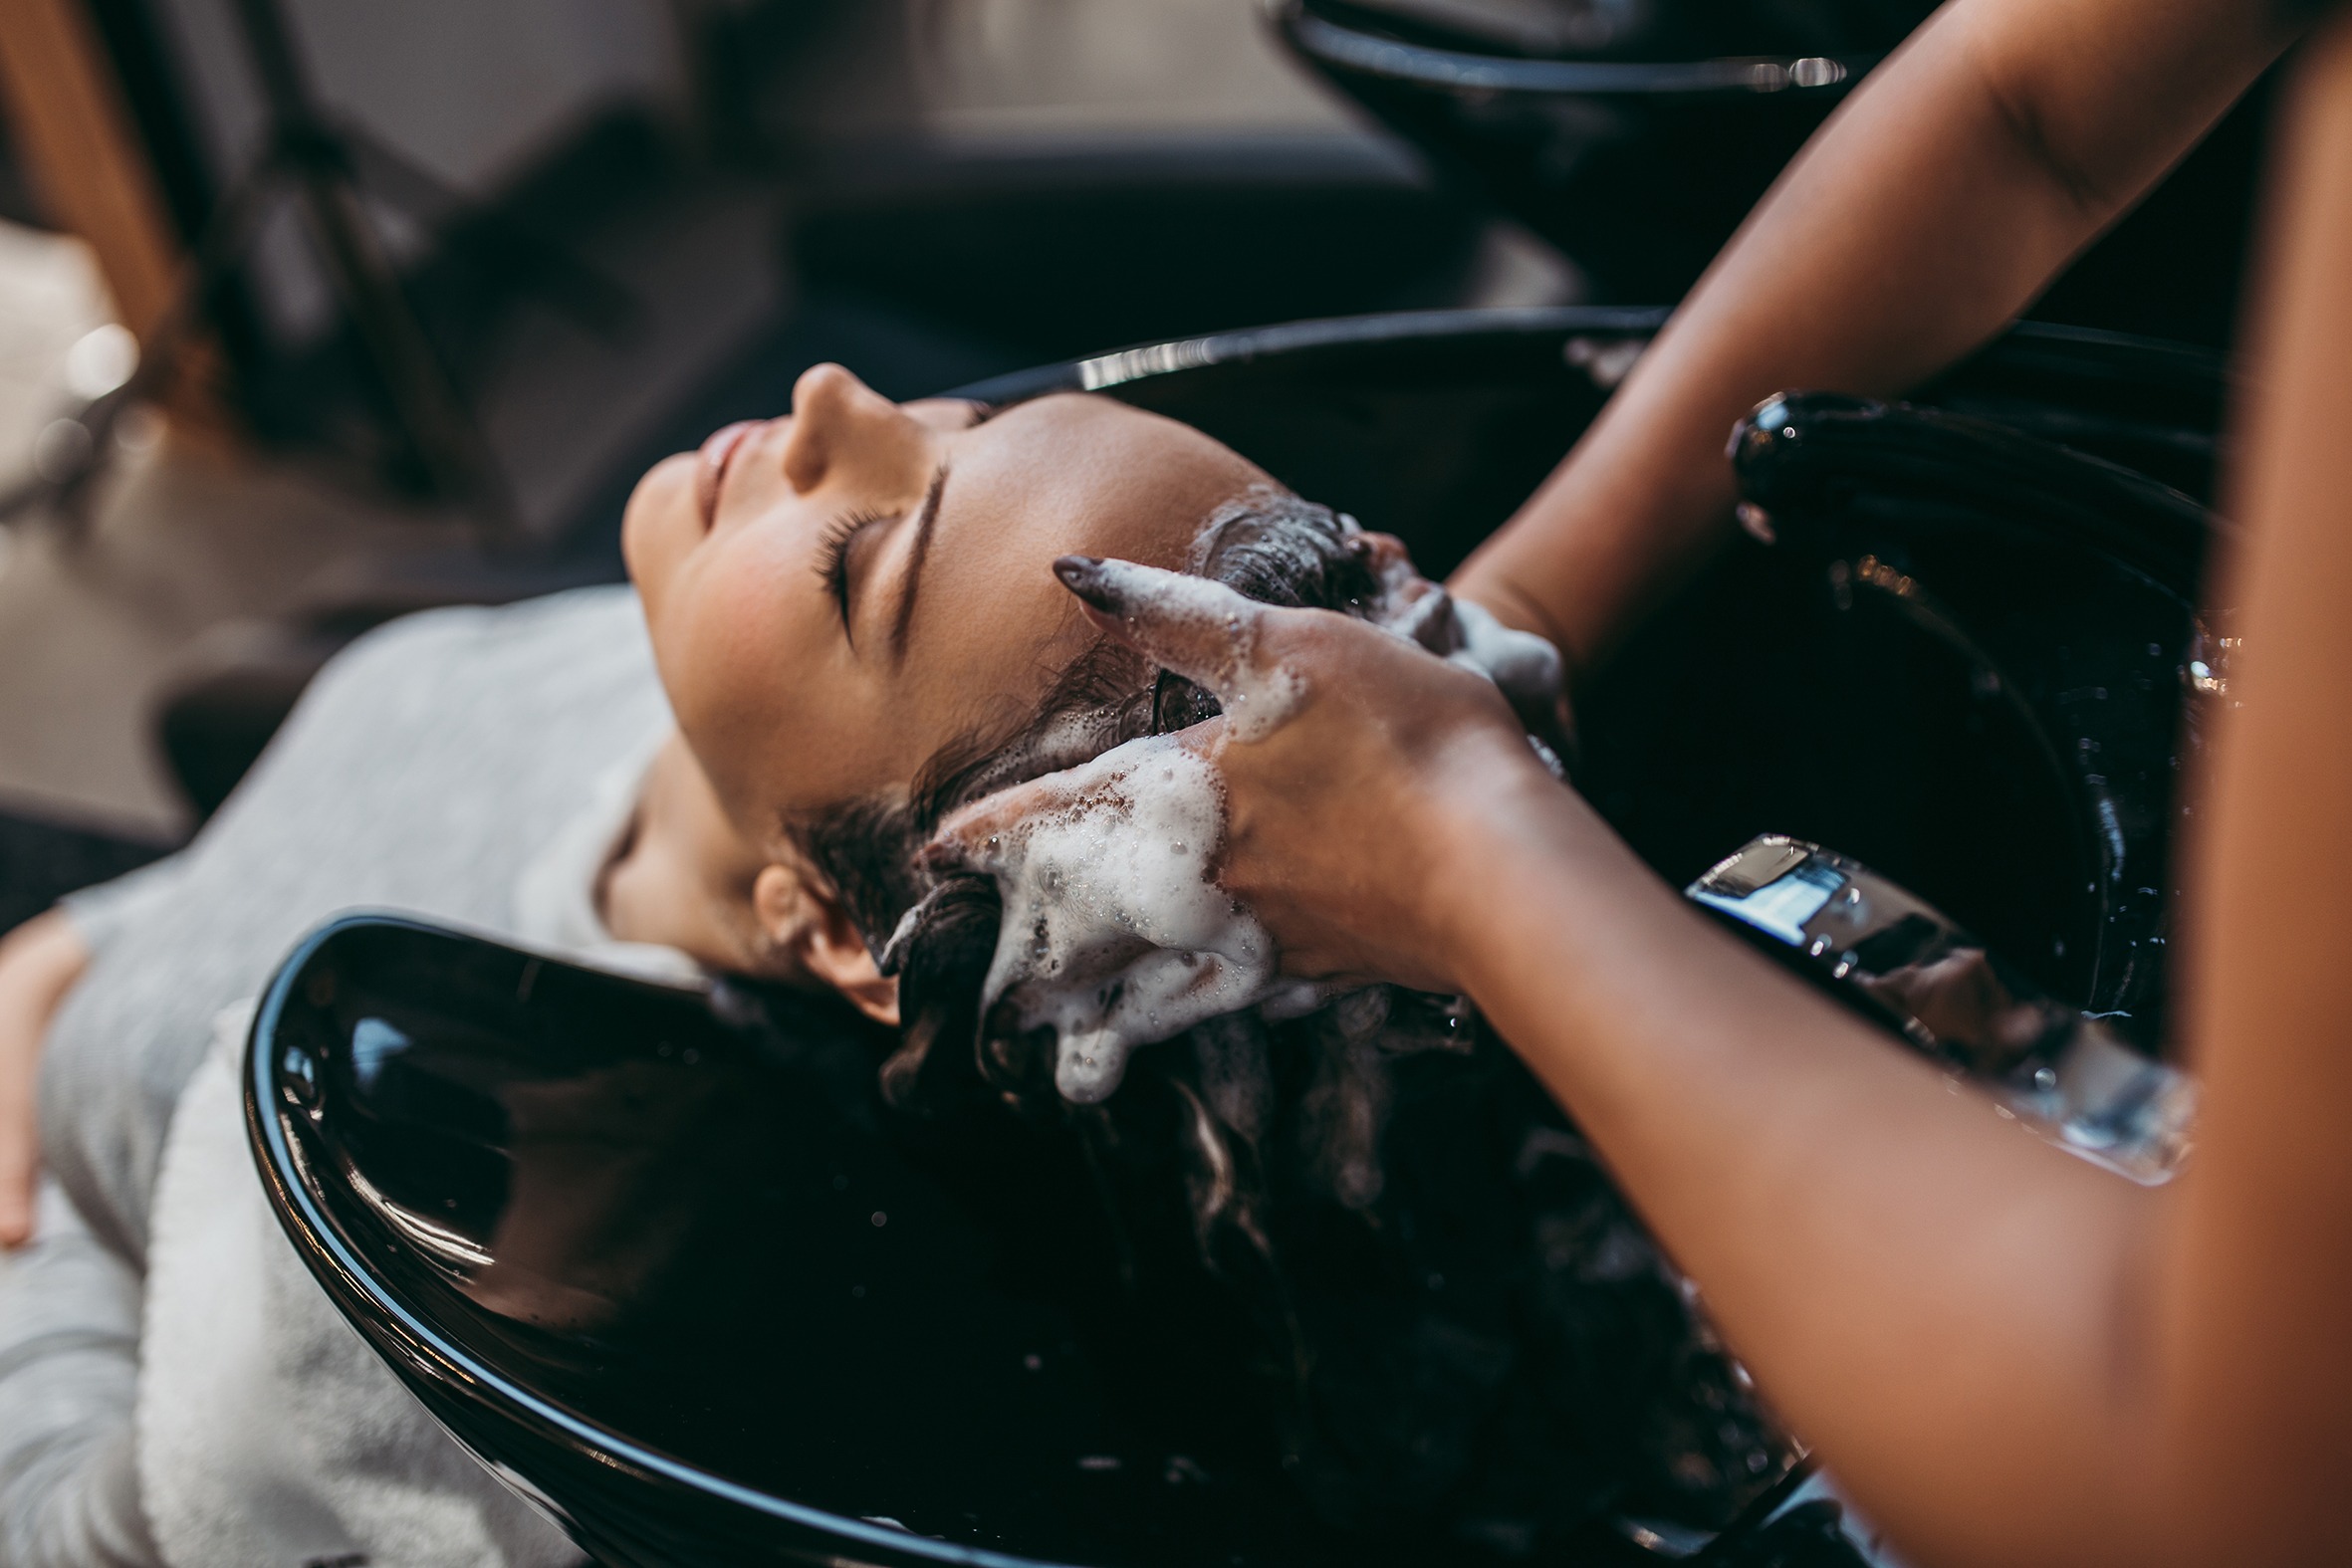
839 422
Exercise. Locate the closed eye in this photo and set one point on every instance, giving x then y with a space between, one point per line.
833 560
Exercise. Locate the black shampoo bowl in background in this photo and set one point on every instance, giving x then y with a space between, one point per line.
654 1256
1635 140
1636 136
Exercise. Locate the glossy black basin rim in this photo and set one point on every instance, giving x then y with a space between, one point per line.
416 1349
1385 332
2153 405
1460 71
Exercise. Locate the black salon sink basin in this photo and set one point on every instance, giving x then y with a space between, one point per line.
670 1262
660 1258
1636 141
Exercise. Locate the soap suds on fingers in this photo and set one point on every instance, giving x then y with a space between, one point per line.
1115 933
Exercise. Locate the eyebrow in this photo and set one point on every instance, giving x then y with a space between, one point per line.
917 549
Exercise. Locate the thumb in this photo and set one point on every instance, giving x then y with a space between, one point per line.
970 838
1202 630
974 836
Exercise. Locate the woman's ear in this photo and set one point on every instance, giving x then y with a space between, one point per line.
810 924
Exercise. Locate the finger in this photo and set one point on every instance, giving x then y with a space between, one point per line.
971 837
1202 630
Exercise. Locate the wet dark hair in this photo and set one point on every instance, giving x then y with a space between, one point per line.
1454 1322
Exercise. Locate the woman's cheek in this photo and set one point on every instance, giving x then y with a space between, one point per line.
736 641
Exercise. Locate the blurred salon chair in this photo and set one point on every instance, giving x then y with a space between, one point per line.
657 1257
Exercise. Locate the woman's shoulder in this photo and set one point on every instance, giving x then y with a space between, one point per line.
552 630
453 712
584 649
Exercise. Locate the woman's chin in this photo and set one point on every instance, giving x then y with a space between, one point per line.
661 521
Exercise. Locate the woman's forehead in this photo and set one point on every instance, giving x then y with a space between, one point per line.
1091 417
1084 471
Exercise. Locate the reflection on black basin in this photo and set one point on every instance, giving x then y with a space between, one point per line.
658 1258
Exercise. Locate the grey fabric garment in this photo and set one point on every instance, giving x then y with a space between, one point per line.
69 1370
424 770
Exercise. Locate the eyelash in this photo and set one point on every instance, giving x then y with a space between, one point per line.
832 556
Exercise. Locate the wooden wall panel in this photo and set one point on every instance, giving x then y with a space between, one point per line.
73 130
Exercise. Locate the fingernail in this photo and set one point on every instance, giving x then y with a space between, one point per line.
1082 575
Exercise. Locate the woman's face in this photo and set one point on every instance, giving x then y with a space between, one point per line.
837 595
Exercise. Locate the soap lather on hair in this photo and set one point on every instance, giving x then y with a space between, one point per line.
1115 934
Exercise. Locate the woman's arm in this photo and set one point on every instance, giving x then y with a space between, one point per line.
1942 1305
39 963
1965 173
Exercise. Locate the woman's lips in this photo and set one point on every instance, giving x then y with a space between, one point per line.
710 474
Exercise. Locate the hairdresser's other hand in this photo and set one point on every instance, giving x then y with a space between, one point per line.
1342 802
39 963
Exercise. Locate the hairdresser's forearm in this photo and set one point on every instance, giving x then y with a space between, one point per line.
1932 1297
1930 211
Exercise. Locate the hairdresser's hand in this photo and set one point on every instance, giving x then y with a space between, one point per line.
1350 759
39 963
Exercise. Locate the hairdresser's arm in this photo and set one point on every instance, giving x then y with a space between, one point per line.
1944 1307
2011 1357
1948 1310
39 963
2008 1355
1962 176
